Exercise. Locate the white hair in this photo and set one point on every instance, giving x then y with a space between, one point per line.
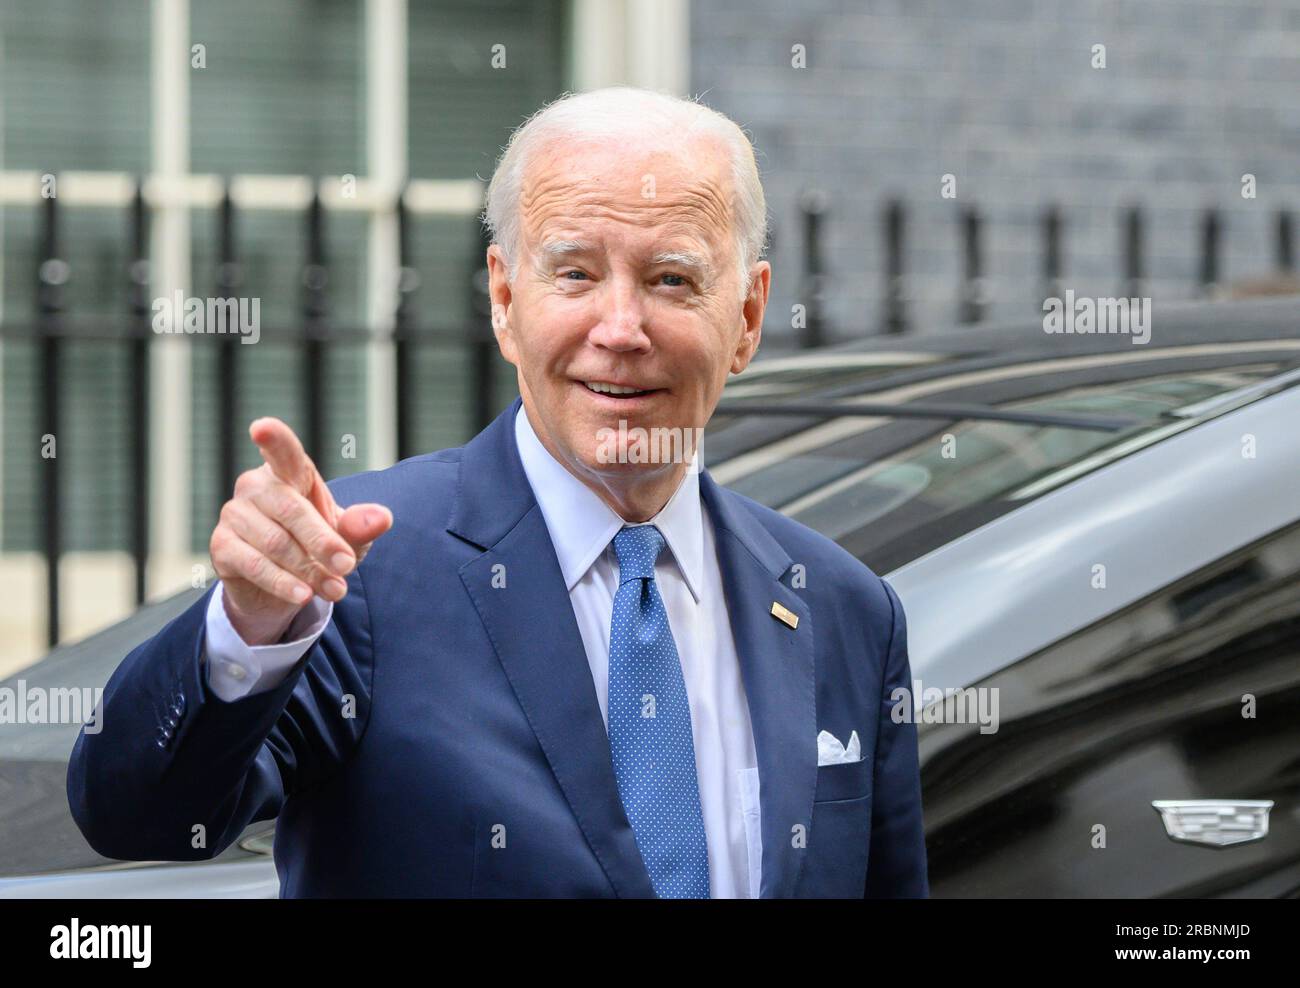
640 118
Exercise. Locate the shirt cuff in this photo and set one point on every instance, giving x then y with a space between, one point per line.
236 669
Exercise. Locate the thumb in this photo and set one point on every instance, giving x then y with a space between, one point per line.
361 524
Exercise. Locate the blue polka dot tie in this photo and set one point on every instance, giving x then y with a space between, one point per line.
650 726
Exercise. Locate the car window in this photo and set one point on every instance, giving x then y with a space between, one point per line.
891 489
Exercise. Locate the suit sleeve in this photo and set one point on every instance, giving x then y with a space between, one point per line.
175 773
897 864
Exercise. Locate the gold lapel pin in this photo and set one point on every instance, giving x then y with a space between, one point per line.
785 615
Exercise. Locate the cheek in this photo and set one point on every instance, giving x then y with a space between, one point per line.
562 324
543 339
711 347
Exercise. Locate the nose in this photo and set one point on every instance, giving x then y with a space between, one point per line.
623 318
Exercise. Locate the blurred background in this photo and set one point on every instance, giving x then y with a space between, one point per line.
927 165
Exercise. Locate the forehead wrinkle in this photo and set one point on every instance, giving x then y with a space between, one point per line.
549 193
639 211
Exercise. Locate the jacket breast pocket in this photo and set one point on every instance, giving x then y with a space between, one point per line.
840 839
843 781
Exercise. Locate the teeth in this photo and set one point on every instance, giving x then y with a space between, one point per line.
600 387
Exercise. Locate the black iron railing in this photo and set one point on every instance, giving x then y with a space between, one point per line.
53 329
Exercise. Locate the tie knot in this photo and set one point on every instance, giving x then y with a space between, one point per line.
637 548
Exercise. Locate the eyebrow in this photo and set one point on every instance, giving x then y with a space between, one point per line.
684 258
556 250
687 259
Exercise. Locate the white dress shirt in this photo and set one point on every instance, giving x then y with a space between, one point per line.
582 528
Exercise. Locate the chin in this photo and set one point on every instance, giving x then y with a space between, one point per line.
624 464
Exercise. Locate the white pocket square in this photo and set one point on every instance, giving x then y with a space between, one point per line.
831 752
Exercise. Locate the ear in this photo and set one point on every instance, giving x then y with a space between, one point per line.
501 297
755 305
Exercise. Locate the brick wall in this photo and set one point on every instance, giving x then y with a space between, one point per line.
1003 95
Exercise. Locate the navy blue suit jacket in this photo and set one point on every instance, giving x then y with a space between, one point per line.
438 708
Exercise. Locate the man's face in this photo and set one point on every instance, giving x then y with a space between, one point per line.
627 278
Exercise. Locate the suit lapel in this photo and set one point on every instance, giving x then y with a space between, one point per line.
519 593
776 664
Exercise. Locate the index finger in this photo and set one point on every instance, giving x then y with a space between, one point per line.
284 453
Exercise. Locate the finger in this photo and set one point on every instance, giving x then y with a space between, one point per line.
236 558
284 454
323 501
289 509
361 524
275 542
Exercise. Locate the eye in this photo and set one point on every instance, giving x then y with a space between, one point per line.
574 275
675 280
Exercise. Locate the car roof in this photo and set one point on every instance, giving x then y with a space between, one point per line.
1178 323
987 364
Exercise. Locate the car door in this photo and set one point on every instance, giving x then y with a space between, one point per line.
1190 693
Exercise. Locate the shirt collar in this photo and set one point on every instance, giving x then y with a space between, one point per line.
582 525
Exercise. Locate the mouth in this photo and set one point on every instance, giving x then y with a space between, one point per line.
619 392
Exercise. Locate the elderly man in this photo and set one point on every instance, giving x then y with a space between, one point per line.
556 661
